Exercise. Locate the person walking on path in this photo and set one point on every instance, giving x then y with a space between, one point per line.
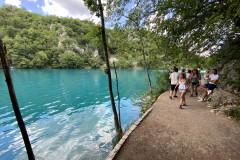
188 75
171 70
183 86
174 80
194 82
183 70
208 88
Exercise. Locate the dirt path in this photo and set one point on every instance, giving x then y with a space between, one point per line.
191 133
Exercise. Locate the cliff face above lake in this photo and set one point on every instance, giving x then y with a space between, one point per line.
37 41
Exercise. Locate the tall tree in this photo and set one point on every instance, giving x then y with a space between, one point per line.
136 19
96 7
6 69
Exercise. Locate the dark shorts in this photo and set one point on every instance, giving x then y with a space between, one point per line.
210 86
173 87
194 84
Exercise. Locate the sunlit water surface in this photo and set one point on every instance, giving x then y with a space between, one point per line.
67 112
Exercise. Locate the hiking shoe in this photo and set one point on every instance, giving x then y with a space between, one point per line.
184 104
180 106
170 97
175 96
201 100
209 92
191 95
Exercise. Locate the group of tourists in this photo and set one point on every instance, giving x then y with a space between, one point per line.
192 79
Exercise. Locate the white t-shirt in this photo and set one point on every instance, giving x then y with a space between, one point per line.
188 75
174 77
213 77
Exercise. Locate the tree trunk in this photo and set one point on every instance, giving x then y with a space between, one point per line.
3 53
119 118
118 128
145 63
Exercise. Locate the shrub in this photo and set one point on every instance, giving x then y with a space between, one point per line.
145 100
235 113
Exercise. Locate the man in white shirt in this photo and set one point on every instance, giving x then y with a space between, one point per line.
188 75
174 79
208 88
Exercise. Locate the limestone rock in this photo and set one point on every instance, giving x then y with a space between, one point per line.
221 98
222 101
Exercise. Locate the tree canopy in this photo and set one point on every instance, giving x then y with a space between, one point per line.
199 25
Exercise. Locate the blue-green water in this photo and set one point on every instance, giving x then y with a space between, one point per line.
67 112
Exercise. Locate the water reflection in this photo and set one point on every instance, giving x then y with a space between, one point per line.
67 112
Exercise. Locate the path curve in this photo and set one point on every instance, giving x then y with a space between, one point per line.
191 133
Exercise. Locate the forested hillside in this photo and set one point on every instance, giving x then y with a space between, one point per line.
36 41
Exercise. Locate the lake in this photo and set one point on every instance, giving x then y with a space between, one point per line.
67 112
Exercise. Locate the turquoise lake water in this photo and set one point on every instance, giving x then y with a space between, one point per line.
67 112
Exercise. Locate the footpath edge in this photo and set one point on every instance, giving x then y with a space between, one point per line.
115 150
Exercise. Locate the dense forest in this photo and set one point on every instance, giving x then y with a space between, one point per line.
36 41
213 28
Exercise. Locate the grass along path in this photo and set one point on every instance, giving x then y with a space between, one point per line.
191 133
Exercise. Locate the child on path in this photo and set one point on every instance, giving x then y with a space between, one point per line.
183 86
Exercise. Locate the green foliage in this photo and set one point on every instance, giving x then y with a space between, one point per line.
40 60
198 25
162 82
227 61
95 62
69 60
124 63
235 113
26 34
145 100
35 41
105 70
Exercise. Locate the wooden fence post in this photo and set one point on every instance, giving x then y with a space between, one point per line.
3 53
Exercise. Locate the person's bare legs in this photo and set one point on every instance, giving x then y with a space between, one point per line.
171 93
205 89
194 90
182 98
175 92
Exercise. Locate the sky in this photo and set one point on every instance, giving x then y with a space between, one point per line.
61 8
